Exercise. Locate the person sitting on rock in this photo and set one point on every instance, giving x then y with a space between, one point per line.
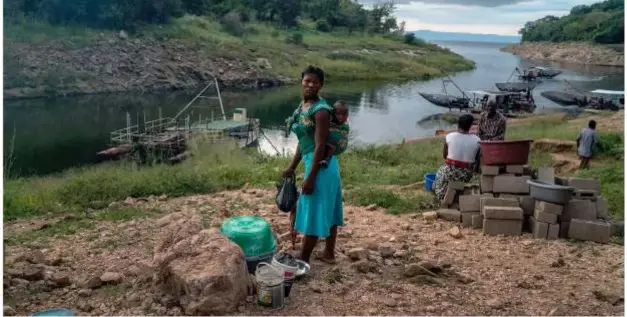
586 140
461 152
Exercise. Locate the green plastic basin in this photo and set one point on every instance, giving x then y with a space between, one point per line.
251 233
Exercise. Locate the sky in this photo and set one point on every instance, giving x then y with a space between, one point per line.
504 17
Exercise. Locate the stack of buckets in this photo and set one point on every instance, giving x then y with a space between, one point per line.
274 281
274 277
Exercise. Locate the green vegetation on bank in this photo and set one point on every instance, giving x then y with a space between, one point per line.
602 22
371 175
279 38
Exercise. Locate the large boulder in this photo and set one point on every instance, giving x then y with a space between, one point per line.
202 269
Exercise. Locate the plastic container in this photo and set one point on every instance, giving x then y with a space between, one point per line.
55 312
270 292
253 261
429 180
289 266
550 193
251 233
505 152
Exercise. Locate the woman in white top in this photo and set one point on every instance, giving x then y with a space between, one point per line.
461 151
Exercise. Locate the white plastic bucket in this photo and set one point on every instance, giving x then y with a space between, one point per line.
289 274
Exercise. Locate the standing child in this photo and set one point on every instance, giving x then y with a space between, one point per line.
586 140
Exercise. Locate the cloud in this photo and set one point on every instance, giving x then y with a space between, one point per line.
504 17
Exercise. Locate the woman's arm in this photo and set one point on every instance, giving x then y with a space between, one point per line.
295 160
445 151
321 135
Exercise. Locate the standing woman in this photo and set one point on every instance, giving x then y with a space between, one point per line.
319 210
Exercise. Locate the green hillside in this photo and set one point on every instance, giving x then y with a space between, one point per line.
601 22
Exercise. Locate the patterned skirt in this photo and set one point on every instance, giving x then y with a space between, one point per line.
448 174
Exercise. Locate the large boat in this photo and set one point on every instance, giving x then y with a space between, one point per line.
446 101
563 98
515 87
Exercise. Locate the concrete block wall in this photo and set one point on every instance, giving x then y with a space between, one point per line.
500 205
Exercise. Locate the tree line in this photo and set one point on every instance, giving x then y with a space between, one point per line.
124 14
601 22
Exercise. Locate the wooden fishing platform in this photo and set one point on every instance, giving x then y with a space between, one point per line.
171 135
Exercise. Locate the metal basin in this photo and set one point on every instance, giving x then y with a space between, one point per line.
550 193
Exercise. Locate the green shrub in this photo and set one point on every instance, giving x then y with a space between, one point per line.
294 38
232 24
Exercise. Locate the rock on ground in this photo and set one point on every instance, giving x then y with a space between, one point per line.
204 271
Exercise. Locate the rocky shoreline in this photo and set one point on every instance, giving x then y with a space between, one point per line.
118 64
571 52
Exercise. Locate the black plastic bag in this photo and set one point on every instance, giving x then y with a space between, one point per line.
287 195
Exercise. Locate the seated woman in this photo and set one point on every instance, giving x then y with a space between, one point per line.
461 152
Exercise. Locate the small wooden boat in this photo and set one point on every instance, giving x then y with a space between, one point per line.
446 101
515 87
115 151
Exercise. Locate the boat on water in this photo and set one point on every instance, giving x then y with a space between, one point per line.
563 98
506 101
600 99
447 101
540 72
515 87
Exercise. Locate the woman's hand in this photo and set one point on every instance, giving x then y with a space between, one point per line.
308 186
288 173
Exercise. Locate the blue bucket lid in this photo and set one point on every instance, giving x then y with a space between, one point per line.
55 312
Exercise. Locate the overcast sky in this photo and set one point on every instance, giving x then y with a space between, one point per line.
477 16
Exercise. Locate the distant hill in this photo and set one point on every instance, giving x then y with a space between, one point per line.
466 37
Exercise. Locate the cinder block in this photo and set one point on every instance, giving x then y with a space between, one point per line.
449 214
554 232
581 183
527 204
449 197
603 210
579 209
456 185
487 183
564 227
470 203
588 194
493 227
502 202
503 213
490 170
467 218
561 181
477 221
511 184
586 230
543 206
546 174
542 216
540 229
472 190
618 228
515 169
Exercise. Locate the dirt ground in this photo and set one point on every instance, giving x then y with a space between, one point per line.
469 275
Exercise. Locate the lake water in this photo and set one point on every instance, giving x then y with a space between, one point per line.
50 135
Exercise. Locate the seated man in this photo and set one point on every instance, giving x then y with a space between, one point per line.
492 125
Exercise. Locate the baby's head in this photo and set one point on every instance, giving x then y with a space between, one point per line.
340 111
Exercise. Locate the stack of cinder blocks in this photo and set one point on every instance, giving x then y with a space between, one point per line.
586 217
510 205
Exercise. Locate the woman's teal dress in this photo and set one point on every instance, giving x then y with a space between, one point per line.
318 212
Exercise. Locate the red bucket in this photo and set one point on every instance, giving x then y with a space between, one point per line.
505 152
